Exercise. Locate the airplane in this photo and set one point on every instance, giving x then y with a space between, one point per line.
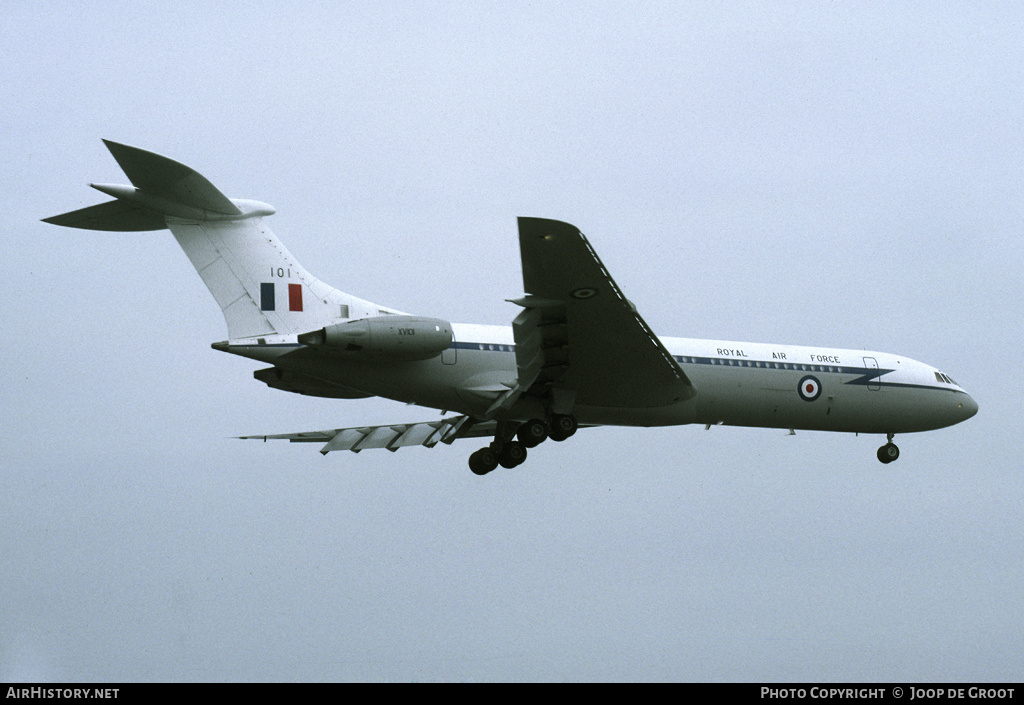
578 354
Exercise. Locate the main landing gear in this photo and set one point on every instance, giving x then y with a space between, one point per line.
889 452
509 453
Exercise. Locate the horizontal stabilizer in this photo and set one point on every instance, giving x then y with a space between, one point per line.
161 188
159 176
118 216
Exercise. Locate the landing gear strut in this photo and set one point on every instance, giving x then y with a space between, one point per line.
509 453
889 452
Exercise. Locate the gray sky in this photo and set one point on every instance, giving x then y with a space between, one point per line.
840 174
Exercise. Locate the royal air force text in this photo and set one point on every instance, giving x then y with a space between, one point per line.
777 355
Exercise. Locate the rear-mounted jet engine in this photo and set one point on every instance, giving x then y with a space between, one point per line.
390 337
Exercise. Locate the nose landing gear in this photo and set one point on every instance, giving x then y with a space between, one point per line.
889 452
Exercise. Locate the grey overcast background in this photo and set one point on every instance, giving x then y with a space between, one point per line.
841 174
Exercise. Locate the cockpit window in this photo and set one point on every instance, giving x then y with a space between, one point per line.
946 379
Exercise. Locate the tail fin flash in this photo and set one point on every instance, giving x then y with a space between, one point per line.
260 287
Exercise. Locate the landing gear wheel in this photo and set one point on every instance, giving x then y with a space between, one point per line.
513 454
888 453
532 433
561 427
483 461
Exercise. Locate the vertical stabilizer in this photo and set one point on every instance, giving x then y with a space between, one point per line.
260 287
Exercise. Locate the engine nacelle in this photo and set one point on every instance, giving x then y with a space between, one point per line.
385 337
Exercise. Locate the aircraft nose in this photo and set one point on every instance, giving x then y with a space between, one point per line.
970 407
967 407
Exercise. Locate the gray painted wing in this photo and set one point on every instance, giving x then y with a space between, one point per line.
578 335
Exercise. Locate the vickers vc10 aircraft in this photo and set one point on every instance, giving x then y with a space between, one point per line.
577 355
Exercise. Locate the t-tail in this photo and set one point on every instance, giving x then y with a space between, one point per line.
260 287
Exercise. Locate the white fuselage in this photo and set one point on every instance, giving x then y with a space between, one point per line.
740 384
585 356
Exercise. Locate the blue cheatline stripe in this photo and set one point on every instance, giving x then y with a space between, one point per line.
267 297
867 374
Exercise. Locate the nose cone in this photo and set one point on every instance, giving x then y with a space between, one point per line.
967 407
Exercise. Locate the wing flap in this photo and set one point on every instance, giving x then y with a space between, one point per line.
390 437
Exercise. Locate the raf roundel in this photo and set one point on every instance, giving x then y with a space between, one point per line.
809 388
584 293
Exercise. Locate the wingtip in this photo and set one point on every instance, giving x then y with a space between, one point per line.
115 147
